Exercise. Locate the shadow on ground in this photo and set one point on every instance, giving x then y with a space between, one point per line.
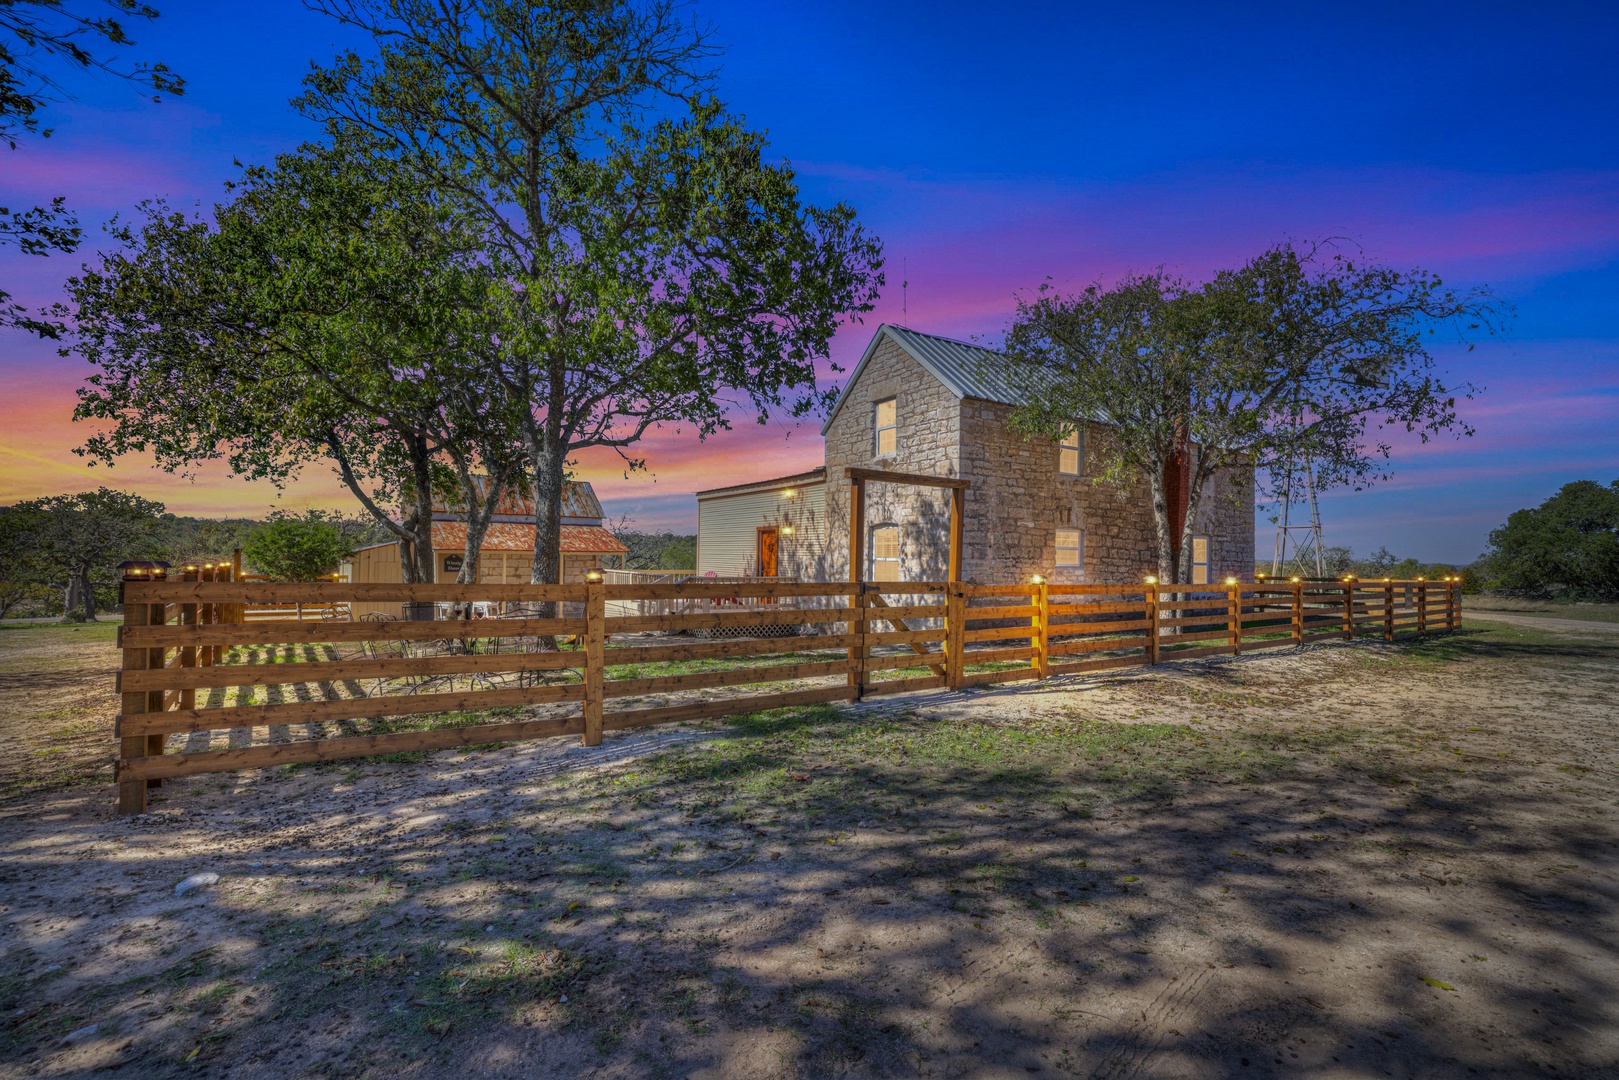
1377 860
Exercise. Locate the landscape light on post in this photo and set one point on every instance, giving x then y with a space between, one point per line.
1230 581
139 568
1152 579
593 576
1037 579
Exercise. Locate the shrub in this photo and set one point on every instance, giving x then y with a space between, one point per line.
292 548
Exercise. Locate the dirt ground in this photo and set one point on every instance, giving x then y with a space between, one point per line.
1345 861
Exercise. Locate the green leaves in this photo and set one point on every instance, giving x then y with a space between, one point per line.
1297 355
289 548
1569 542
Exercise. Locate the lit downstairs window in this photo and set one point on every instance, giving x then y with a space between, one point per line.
885 553
887 428
1070 547
1071 454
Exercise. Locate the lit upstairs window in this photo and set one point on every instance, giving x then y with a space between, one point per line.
887 428
1071 455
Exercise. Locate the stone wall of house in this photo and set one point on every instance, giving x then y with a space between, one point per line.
929 441
1018 499
1226 516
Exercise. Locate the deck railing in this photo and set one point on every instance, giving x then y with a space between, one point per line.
287 691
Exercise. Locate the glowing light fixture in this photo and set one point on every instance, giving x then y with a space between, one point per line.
789 493
1038 579
1151 580
1230 581
593 576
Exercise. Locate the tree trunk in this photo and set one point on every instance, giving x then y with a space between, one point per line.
1160 517
415 532
87 593
421 467
549 472
479 512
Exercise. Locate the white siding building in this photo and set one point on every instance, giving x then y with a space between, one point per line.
771 528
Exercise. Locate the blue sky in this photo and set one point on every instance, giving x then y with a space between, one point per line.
992 148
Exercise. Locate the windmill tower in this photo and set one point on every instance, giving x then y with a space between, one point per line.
1300 549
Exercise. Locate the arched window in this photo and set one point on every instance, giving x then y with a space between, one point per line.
885 553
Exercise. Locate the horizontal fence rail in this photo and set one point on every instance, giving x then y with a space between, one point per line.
211 683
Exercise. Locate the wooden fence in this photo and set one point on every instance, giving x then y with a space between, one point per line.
289 691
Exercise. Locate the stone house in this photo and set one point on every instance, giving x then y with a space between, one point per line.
918 403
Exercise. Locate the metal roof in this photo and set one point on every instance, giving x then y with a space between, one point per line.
816 475
578 501
452 536
966 370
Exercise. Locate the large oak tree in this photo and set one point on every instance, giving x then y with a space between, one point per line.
653 266
329 310
1295 356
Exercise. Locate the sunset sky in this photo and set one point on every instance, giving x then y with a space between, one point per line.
992 147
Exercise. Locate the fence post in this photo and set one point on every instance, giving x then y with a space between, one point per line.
1040 623
1349 610
1234 617
954 628
207 615
1388 610
131 793
1422 608
1453 604
1298 613
1152 623
189 616
857 674
595 645
157 700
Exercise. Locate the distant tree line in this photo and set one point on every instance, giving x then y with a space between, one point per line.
1339 562
59 555
1565 548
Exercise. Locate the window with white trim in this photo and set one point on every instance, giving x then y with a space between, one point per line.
1071 453
885 553
1070 547
887 418
1200 560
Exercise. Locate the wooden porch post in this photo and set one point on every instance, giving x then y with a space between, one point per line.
958 513
857 572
